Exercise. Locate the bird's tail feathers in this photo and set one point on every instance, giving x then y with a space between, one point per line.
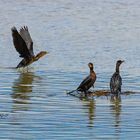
71 91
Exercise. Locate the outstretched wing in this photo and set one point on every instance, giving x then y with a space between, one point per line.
27 38
19 44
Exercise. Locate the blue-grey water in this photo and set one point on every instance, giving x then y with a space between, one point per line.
34 103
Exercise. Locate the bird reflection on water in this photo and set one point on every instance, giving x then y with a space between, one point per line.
116 108
22 87
91 112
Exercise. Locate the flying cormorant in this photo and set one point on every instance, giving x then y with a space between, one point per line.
24 45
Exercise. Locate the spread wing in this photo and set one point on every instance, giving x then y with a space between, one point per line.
27 38
19 44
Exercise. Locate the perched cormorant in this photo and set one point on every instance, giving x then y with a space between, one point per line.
24 45
116 80
89 81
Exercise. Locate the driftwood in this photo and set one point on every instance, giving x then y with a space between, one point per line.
98 93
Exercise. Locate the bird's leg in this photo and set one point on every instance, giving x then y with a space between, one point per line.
116 97
119 90
85 92
27 68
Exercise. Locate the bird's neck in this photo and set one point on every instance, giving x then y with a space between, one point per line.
117 68
91 70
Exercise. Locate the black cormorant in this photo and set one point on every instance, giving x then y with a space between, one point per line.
24 45
116 80
89 81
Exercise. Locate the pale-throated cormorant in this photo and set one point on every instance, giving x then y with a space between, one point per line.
89 81
116 80
24 45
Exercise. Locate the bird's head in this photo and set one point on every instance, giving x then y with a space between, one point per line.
42 53
90 65
119 62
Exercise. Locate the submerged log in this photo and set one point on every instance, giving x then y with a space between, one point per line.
97 93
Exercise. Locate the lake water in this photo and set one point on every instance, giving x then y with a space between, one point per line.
34 103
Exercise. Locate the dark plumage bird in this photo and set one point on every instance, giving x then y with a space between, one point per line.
89 81
116 80
24 45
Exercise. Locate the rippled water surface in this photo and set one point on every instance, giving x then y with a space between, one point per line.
34 103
